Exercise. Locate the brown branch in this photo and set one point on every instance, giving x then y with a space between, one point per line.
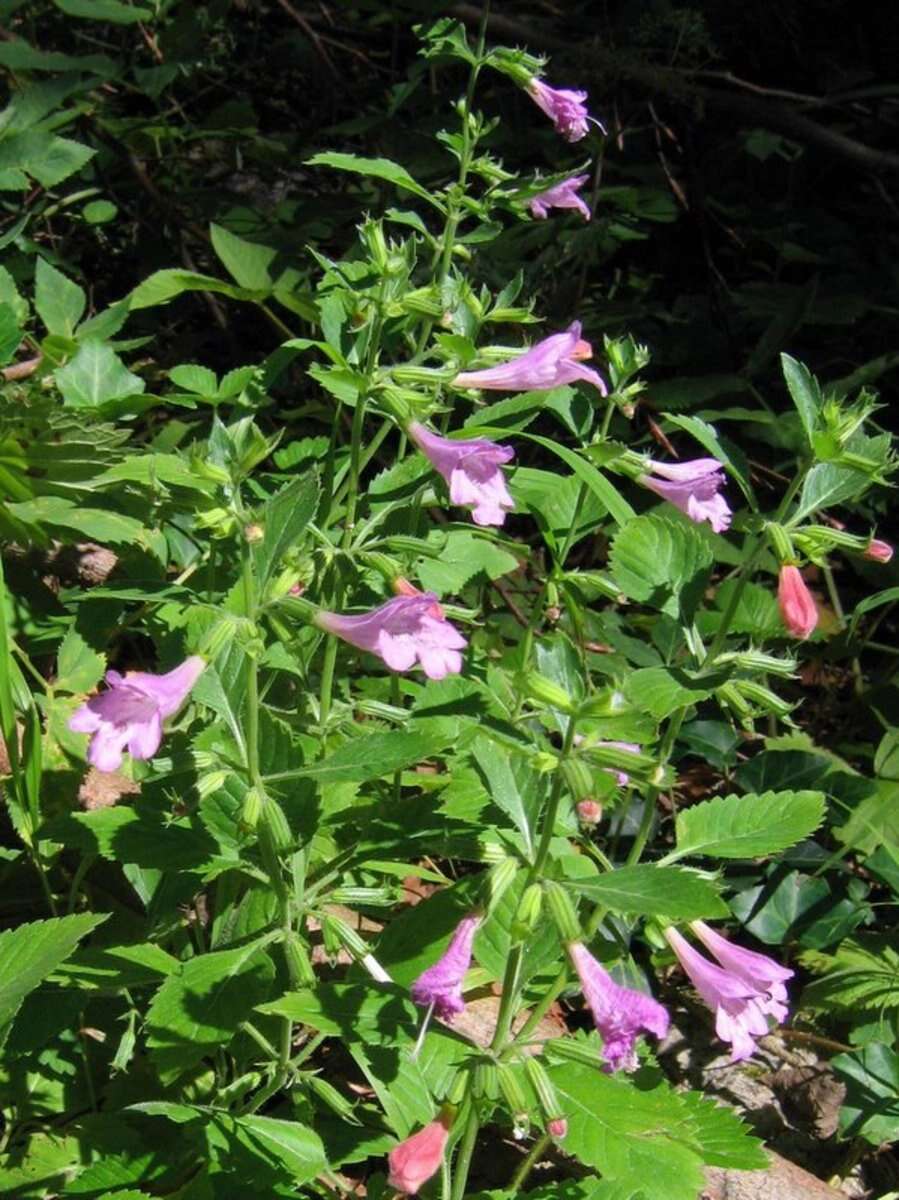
310 33
22 370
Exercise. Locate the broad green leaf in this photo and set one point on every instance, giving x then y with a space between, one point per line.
606 492
826 485
194 378
124 835
647 1138
40 1167
377 168
379 754
646 890
497 768
105 10
59 302
284 519
797 907
662 691
367 1012
10 333
804 392
101 525
96 375
295 1148
115 967
45 157
78 666
748 826
29 953
203 1006
463 555
247 262
163 286
871 1107
662 563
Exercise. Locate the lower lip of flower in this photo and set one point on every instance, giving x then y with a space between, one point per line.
582 350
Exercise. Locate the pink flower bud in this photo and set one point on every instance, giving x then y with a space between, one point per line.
557 1127
414 1161
797 608
589 812
878 551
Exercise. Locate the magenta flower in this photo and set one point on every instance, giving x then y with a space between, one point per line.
798 610
741 998
620 1013
402 631
555 360
441 984
130 713
563 195
472 470
565 108
693 488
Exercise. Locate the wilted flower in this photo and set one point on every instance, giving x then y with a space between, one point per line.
471 467
620 1013
565 108
402 631
797 608
878 551
692 487
741 993
589 811
131 711
441 984
415 1160
553 361
562 195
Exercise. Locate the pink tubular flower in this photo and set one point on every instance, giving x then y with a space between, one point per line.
553 361
472 469
402 631
414 1161
758 970
131 711
441 984
741 993
620 1013
565 108
878 551
797 608
563 195
692 487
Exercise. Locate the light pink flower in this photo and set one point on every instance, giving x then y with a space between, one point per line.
565 108
553 361
563 195
758 970
441 984
878 551
415 1160
692 487
471 467
131 711
402 631
797 607
620 1013
741 1001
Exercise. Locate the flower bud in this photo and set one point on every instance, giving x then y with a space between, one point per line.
529 909
299 965
417 1158
577 776
797 608
499 878
563 911
253 532
274 823
589 811
538 687
557 1128
251 809
878 551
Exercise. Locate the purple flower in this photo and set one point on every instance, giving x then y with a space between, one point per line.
758 970
472 470
441 984
693 488
565 108
742 1000
555 360
563 195
401 631
130 713
620 1013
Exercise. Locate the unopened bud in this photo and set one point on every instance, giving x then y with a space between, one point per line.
557 1128
528 915
538 687
780 540
499 879
578 777
563 911
251 809
511 1088
253 532
589 811
275 825
299 965
878 551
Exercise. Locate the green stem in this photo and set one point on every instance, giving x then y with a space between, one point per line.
466 1151
352 497
528 1163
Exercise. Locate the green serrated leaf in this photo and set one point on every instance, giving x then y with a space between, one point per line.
804 392
376 168
748 826
662 691
162 286
246 262
662 563
463 555
95 376
647 890
59 302
284 518
78 666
